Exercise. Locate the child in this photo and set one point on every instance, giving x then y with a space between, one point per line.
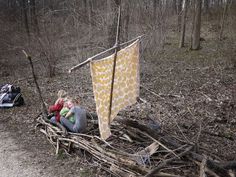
66 108
56 108
80 124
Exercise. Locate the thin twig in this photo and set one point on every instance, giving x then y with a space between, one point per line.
164 163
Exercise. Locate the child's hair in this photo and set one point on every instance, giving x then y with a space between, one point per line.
75 100
61 94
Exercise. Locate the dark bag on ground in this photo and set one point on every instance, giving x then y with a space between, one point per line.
10 96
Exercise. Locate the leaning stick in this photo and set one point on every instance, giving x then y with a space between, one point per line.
40 94
36 83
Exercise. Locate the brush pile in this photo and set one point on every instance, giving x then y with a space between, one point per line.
135 149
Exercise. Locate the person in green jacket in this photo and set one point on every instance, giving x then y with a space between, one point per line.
63 113
77 114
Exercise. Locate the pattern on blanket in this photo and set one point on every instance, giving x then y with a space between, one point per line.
126 84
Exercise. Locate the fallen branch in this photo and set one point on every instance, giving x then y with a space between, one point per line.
164 163
202 167
125 158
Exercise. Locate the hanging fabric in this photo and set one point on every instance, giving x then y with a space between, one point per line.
126 84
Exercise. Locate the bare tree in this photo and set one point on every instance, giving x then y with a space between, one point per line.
26 21
110 32
157 17
183 23
88 8
206 6
174 6
195 44
223 19
112 25
179 10
125 20
34 16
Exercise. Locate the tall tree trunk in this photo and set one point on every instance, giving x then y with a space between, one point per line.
154 11
108 22
179 11
125 22
8 4
183 24
223 19
156 19
88 8
196 26
111 27
206 6
34 16
174 6
26 17
85 4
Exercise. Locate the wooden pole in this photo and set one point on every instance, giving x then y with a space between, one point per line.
36 83
114 63
64 131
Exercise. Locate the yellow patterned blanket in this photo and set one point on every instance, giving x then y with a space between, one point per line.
126 84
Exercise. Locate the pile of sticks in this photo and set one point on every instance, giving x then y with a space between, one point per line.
136 149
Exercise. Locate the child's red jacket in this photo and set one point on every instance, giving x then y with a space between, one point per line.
56 108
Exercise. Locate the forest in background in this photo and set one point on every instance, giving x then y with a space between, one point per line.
188 89
70 31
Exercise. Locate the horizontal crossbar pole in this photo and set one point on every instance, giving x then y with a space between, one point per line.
101 53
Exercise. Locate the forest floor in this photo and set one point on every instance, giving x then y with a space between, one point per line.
17 161
192 94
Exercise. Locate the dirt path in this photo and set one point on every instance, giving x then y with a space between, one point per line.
15 162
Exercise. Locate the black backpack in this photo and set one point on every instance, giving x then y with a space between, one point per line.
10 96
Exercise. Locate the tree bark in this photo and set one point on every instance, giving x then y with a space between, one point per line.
179 8
206 6
223 19
125 22
157 20
174 6
183 24
26 17
196 26
88 8
155 10
112 27
34 16
108 22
